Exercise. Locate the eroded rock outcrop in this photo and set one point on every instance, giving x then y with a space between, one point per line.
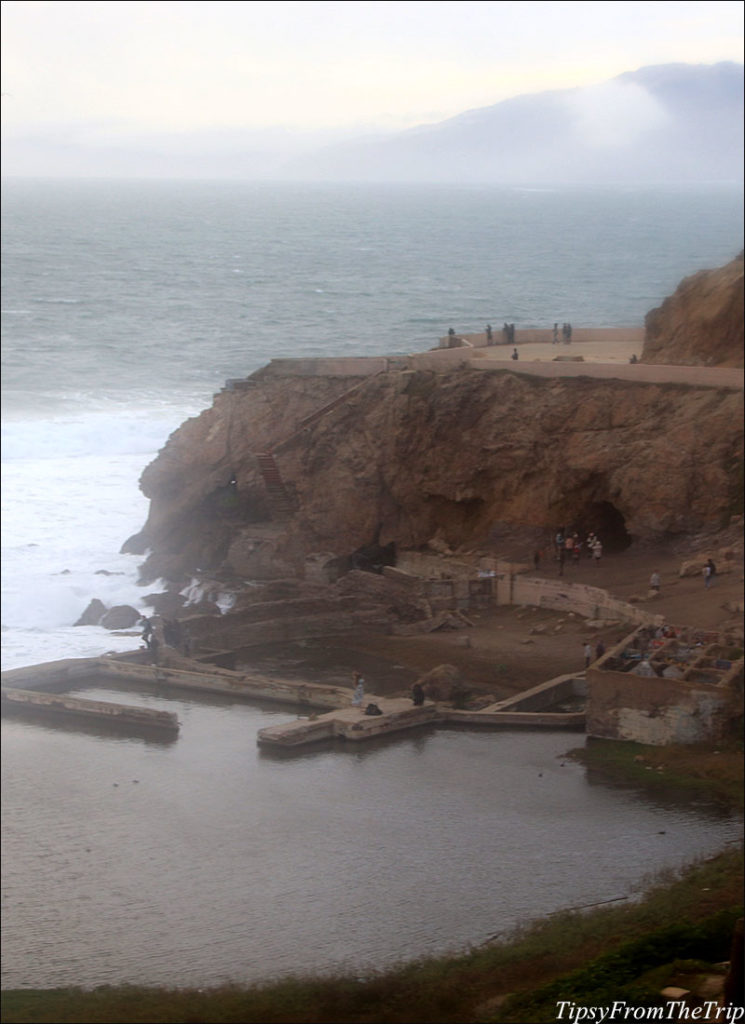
701 324
409 456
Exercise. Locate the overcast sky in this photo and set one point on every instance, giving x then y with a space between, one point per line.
103 73
154 66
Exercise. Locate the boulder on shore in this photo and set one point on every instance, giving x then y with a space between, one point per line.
121 616
92 614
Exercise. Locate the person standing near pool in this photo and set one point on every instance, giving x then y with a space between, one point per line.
359 690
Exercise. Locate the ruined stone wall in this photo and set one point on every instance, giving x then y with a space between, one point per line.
590 602
621 706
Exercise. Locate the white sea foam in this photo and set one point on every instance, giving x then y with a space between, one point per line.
70 499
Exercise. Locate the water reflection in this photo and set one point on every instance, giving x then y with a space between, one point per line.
663 794
100 728
206 860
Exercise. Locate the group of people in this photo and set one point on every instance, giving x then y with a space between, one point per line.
566 333
570 546
508 333
358 695
587 651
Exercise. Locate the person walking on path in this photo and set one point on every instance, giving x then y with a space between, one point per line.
654 582
597 552
587 650
559 540
576 550
710 571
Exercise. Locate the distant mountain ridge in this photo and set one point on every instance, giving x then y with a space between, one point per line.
670 122
661 124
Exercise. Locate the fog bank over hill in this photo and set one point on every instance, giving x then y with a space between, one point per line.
671 123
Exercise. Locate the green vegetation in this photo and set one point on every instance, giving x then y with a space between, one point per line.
625 973
712 770
575 954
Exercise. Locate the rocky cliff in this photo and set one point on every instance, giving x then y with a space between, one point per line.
418 458
701 324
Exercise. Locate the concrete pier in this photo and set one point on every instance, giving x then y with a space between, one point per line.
61 704
398 713
29 687
529 709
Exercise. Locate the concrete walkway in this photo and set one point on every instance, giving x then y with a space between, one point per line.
600 360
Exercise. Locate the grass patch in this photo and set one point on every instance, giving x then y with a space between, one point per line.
572 952
626 973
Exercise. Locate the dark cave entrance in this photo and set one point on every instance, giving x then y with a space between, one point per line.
604 519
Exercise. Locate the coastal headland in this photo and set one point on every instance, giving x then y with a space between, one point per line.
306 474
399 517
397 514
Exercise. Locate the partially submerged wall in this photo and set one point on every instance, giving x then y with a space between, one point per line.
656 711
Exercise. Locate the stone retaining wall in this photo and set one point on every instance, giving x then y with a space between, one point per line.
623 706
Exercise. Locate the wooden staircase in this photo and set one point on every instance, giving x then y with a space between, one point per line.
281 503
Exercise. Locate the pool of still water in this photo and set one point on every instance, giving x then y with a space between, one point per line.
201 859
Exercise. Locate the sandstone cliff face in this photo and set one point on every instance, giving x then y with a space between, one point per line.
702 323
453 458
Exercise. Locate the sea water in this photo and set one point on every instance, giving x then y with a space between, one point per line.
126 305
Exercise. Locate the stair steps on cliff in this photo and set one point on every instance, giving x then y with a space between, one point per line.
280 502
319 414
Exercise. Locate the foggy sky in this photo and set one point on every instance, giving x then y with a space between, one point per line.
172 88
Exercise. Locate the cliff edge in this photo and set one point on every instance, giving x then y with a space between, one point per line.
316 463
701 324
455 459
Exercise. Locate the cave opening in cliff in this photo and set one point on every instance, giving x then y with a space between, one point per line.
604 519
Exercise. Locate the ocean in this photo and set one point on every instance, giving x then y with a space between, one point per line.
126 306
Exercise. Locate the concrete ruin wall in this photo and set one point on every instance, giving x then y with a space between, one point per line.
590 602
507 587
622 706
